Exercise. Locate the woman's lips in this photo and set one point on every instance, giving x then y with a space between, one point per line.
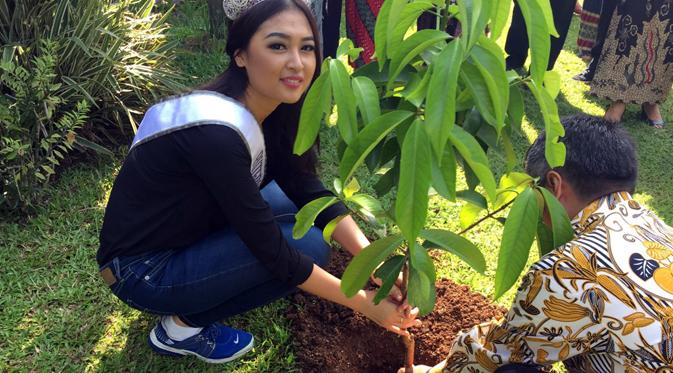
292 82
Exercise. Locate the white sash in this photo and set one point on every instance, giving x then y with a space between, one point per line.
200 108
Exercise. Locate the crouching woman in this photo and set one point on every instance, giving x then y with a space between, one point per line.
198 226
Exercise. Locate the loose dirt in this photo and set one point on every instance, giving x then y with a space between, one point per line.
332 338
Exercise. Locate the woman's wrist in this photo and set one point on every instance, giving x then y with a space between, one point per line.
361 302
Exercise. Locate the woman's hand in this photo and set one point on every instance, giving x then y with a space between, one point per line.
395 294
389 315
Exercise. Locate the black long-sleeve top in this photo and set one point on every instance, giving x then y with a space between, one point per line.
177 189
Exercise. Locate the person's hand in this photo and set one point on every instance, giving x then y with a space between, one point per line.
395 294
388 315
417 369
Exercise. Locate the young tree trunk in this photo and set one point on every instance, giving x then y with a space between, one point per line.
218 20
409 341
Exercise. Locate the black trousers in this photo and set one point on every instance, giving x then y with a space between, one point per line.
517 37
330 27
518 368
603 25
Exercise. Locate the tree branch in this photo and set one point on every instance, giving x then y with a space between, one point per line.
489 215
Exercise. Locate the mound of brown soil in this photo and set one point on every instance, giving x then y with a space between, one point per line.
332 338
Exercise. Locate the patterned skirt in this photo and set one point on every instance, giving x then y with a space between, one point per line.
591 14
636 64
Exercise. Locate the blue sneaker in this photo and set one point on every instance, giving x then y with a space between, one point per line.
214 344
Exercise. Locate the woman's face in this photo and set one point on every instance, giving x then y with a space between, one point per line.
281 59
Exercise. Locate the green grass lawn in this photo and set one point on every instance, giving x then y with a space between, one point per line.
57 315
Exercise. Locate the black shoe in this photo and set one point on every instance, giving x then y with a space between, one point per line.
584 76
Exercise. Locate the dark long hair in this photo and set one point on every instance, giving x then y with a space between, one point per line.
280 127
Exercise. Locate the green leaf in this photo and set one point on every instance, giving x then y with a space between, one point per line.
396 11
352 188
456 245
417 88
489 60
547 13
545 239
500 17
440 108
363 264
367 98
412 47
408 17
444 176
561 229
517 237
473 17
421 289
389 272
555 152
347 48
474 155
338 187
381 30
515 108
472 197
538 36
318 102
471 76
388 180
329 228
469 214
552 83
81 141
368 204
511 184
306 216
411 206
345 100
511 159
367 139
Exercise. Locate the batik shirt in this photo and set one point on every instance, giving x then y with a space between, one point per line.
600 303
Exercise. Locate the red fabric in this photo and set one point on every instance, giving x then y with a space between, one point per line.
363 37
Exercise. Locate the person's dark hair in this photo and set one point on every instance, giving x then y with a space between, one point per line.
280 127
600 157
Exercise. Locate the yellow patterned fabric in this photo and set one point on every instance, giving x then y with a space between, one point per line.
601 303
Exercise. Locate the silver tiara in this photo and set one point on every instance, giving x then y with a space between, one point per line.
234 8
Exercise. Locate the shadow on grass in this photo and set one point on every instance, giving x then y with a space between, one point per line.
272 351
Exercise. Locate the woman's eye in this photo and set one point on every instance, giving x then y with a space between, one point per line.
308 48
277 46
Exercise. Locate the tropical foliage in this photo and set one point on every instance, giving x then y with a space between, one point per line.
430 105
112 55
36 132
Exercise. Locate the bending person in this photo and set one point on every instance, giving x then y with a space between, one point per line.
600 303
195 230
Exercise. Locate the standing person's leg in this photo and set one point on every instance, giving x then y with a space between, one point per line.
331 25
516 45
563 15
603 25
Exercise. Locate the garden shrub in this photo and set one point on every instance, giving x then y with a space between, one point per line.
36 132
111 54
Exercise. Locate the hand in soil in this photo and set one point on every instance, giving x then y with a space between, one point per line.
395 294
417 369
388 315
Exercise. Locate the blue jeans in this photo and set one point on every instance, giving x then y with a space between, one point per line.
214 278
